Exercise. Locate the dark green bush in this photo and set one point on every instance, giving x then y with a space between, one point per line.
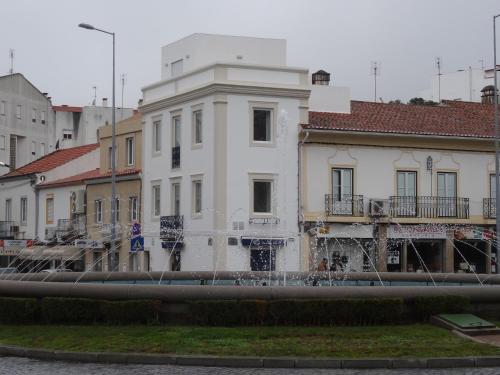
127 312
71 310
424 307
228 312
18 310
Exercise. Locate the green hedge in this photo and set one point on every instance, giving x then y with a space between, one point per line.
18 310
297 312
424 307
126 312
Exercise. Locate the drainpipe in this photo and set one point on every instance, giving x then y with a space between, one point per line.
37 206
300 211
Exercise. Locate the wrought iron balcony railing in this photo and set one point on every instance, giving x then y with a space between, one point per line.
346 205
8 229
171 227
176 157
489 208
429 207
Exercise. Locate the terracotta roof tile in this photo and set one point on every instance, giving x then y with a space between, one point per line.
452 118
53 160
82 177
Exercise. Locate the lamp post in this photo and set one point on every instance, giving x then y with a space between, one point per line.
497 136
113 156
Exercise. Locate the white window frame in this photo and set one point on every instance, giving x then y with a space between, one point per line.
175 187
19 111
266 177
130 150
272 107
8 209
33 115
42 117
2 142
43 149
196 131
98 210
156 136
2 107
196 212
117 210
23 210
49 213
133 209
155 197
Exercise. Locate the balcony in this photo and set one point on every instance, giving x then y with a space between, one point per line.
347 205
171 227
489 208
176 157
428 207
9 230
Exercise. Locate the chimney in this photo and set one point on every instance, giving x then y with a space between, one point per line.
488 94
321 78
104 102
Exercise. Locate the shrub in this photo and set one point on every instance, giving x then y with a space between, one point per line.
424 307
18 310
127 312
70 310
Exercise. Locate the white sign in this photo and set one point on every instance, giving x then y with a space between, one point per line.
393 257
89 244
417 231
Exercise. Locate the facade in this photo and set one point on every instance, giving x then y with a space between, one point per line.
401 188
128 191
27 214
220 145
26 123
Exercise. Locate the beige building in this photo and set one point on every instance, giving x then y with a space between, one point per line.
128 193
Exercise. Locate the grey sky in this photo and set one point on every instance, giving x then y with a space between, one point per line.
342 37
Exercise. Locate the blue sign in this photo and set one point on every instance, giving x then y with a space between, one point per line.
137 244
136 229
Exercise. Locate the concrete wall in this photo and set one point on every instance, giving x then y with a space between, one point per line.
15 190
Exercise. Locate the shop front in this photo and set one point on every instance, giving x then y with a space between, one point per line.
263 252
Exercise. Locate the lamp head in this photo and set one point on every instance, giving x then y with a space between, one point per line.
86 26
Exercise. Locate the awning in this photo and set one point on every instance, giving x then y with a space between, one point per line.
61 253
262 242
169 245
32 253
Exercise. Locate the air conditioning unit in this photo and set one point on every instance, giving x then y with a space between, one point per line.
14 228
78 201
50 234
379 207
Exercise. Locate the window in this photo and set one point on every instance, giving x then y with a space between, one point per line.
117 210
176 68
262 193
197 132
196 203
406 184
133 209
176 198
19 111
342 189
262 125
33 115
110 157
8 209
176 142
24 210
157 136
49 210
42 117
493 186
67 134
156 200
2 108
33 150
98 211
447 194
43 150
2 142
129 142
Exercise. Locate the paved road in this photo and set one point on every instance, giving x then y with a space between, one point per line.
24 366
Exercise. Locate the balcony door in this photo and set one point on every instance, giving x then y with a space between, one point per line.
342 184
406 200
447 194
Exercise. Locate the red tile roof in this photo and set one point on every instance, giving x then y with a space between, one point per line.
53 160
65 108
123 172
451 118
82 177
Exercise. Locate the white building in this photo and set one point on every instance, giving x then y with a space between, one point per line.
404 188
220 152
26 122
464 85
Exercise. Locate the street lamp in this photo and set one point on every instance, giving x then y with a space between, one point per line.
497 151
113 148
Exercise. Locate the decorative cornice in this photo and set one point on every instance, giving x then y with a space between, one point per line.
225 88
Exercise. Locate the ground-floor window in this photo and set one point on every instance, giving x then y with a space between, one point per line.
425 256
263 259
470 256
97 261
176 261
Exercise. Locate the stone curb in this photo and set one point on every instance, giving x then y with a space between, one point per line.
248 362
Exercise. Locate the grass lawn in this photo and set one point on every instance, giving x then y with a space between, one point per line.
419 340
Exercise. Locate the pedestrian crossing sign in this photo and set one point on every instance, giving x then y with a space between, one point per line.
137 244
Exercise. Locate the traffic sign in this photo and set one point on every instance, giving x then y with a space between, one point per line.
137 244
136 229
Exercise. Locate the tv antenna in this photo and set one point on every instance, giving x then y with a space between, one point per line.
375 71
11 56
95 95
439 61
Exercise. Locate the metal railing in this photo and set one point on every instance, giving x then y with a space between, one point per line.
347 205
176 157
429 207
8 229
489 208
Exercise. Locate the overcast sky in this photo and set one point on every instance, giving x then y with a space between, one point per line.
341 37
